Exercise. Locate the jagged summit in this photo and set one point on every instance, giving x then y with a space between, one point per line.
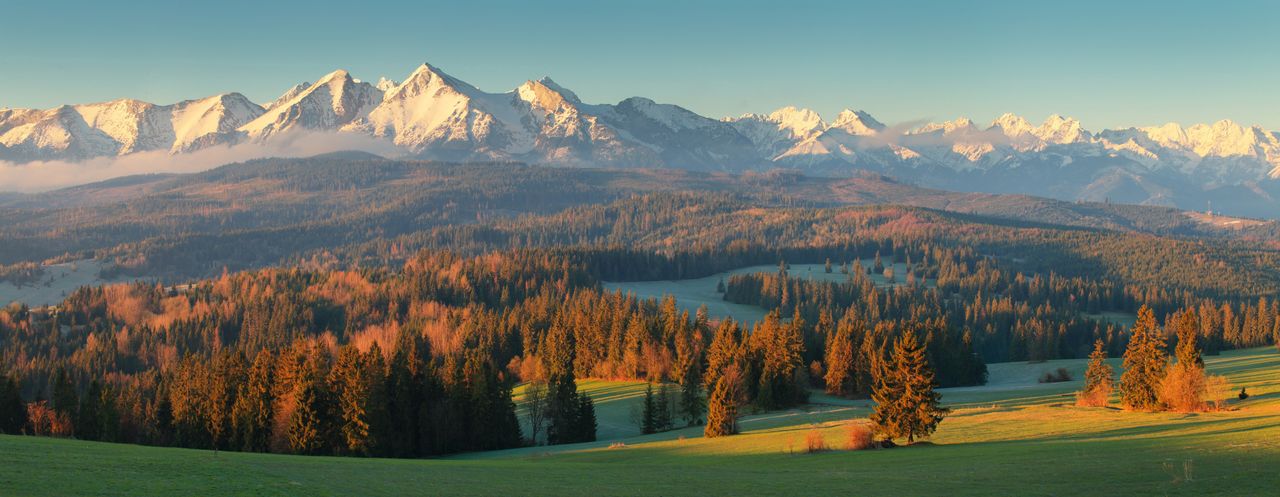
433 114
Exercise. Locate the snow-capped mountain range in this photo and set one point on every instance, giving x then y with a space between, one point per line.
431 114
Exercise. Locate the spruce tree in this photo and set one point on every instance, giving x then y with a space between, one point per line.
722 405
1099 379
65 400
648 412
841 357
662 409
89 422
253 411
906 403
13 413
586 419
350 382
725 351
1144 364
1187 328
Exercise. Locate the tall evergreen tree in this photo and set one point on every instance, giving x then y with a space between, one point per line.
253 410
351 383
89 421
648 411
906 403
841 359
13 413
662 409
1099 379
65 399
1186 327
723 403
1144 364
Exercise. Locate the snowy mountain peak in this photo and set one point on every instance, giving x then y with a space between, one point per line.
546 97
288 95
857 122
567 94
385 85
962 125
799 123
1012 125
333 101
1061 130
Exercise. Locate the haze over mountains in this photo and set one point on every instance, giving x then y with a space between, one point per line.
431 114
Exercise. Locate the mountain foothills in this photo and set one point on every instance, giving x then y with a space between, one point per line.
1228 166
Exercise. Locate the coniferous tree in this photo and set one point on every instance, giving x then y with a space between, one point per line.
253 410
723 403
1099 379
725 351
352 384
906 403
648 411
662 409
692 406
586 419
841 359
89 423
781 351
1144 364
1187 329
65 400
13 413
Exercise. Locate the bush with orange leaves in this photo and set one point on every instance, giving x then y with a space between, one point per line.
861 437
814 441
1182 389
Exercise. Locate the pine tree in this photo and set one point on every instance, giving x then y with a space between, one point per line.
65 400
13 413
725 351
648 412
253 410
692 407
781 348
841 357
906 403
662 409
306 426
586 419
1099 379
350 381
1187 329
722 406
1144 364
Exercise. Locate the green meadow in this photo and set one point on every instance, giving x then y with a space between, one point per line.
1014 436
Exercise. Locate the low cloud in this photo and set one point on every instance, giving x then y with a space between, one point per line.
31 177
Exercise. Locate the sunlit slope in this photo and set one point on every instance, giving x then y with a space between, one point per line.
1013 437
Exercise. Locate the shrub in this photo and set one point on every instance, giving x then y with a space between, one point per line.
814 442
861 437
1217 390
1183 389
1099 396
1058 376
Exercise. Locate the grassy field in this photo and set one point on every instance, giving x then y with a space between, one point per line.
1012 437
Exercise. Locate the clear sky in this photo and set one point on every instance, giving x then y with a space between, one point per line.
1108 63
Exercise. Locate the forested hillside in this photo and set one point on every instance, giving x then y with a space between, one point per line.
272 211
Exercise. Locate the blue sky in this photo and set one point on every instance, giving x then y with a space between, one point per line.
1106 63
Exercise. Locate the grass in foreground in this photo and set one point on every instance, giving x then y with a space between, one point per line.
1013 437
